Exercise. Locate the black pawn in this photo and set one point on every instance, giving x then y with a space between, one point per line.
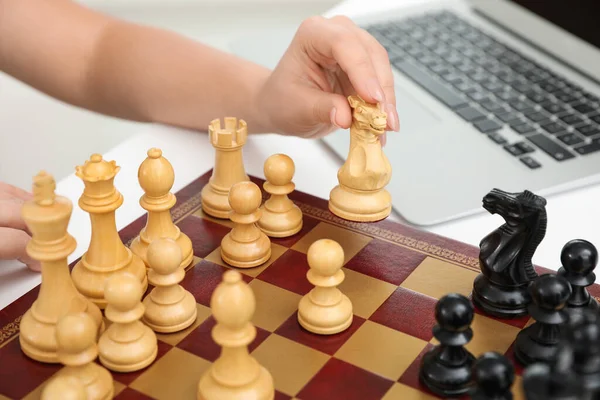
579 258
583 335
446 369
555 380
493 375
539 341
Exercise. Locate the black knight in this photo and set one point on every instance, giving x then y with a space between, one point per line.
505 254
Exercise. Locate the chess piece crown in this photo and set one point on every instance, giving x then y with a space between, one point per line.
99 193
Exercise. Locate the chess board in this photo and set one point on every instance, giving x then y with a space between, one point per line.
394 276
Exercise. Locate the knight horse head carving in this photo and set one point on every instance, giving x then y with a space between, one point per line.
366 116
505 256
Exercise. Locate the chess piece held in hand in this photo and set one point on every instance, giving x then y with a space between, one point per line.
169 307
280 217
228 170
235 374
156 177
47 217
245 246
361 195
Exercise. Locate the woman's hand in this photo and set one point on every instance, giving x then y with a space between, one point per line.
328 59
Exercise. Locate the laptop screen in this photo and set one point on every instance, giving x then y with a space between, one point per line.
580 18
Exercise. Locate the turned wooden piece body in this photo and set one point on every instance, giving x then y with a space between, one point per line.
106 254
47 217
156 176
229 165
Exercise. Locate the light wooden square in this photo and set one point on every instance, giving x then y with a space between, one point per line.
276 252
438 278
365 293
174 338
351 242
291 364
400 391
381 350
274 305
174 376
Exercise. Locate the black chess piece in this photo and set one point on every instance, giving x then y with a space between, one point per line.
446 369
505 254
554 380
493 375
539 341
583 335
579 258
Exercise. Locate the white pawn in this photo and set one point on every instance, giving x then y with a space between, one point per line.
127 344
280 216
235 374
169 307
64 387
325 310
76 341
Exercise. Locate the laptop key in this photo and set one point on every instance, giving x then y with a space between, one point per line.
553 108
552 127
497 138
491 105
441 92
595 118
589 130
487 125
507 117
523 128
536 116
588 148
521 105
583 108
530 162
570 139
572 119
470 113
550 147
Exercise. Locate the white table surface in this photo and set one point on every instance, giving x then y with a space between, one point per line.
571 215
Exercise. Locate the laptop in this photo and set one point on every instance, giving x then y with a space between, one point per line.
491 93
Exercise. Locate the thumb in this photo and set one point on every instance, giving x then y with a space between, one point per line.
330 109
13 245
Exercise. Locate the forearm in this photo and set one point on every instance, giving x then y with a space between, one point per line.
124 70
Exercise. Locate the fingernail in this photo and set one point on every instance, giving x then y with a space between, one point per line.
383 140
375 90
392 117
332 117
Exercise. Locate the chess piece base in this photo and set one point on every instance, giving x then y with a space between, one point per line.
502 304
537 385
262 388
90 283
536 351
140 247
325 320
128 356
281 225
215 202
445 380
360 206
170 318
246 255
37 338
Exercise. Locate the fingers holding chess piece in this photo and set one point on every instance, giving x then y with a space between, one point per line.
325 310
156 177
77 350
579 258
235 374
245 246
169 307
280 217
127 344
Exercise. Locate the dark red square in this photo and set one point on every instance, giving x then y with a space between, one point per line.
329 344
341 380
20 374
281 396
205 235
386 261
289 272
407 311
128 377
129 232
410 377
203 278
308 223
131 394
201 343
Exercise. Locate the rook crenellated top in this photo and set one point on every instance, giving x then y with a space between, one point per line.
233 135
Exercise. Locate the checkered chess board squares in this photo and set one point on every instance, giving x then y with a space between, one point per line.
393 290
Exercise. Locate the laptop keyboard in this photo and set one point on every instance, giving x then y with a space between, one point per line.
491 85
